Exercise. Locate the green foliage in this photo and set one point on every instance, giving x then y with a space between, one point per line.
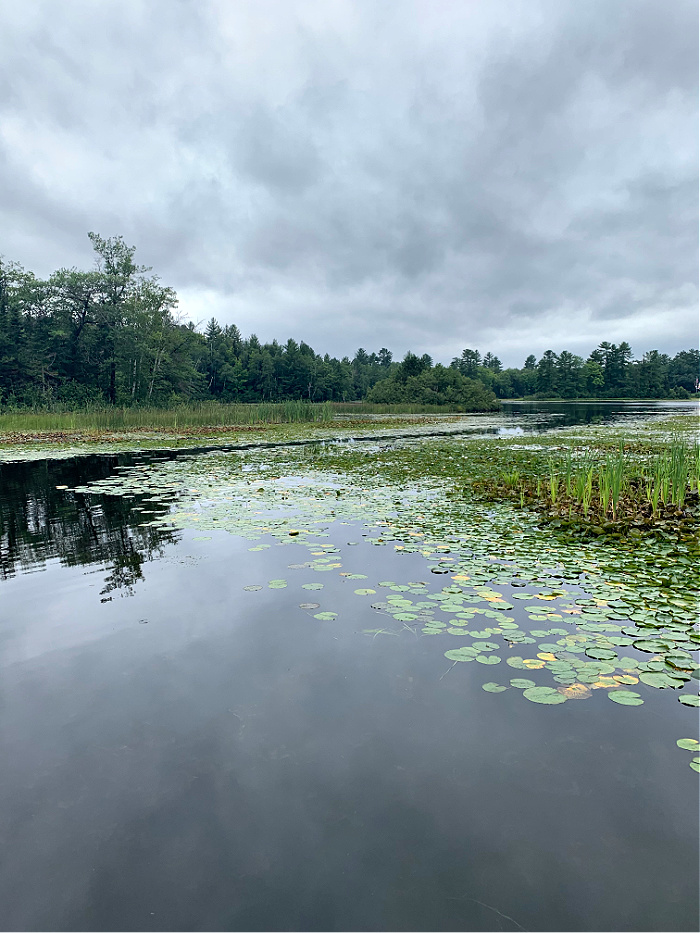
609 372
180 417
417 382
113 336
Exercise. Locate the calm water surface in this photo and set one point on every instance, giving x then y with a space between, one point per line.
178 753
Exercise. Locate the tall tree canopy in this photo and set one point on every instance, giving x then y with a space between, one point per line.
113 335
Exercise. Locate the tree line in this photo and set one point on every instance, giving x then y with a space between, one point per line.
113 335
609 372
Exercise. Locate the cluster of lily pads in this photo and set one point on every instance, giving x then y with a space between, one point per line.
518 599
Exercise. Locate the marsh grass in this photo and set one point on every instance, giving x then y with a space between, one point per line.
198 415
613 490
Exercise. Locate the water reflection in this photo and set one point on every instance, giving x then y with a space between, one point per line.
544 415
41 520
235 764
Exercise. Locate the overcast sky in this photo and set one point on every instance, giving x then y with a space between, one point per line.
511 176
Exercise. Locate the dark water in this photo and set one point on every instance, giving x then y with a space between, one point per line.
544 415
180 754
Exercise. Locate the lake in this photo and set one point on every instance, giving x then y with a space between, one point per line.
226 702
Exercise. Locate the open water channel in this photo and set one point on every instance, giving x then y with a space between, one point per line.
207 723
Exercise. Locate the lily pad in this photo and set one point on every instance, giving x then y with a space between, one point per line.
683 662
461 654
625 698
253 588
659 679
492 687
312 586
691 745
326 616
689 699
575 691
601 654
546 695
522 683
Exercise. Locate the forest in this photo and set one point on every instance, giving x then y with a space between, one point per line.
113 335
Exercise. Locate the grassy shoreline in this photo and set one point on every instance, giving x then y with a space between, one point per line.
200 418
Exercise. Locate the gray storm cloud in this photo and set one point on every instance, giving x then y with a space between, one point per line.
503 175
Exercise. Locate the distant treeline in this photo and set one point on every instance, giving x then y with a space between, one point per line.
609 372
112 336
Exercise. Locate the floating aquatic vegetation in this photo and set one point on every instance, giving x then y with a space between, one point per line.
546 695
597 618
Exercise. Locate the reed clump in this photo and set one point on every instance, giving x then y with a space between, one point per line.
618 494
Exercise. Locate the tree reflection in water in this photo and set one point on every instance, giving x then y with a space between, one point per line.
40 522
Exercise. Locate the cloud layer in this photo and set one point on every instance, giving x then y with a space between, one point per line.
497 174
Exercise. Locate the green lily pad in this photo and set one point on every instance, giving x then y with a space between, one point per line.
492 687
695 764
690 745
465 653
488 659
365 592
651 646
683 662
546 695
689 699
312 586
253 588
659 679
326 616
601 654
625 697
522 683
